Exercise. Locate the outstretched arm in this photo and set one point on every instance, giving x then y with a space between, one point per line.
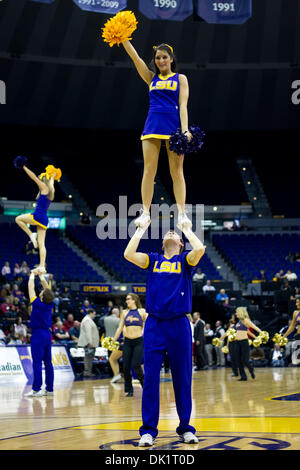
131 253
31 289
42 186
292 325
145 73
183 100
43 281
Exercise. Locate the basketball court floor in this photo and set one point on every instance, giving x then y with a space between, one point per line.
260 414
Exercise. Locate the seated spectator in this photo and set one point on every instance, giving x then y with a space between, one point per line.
20 329
74 331
208 287
297 257
258 356
278 276
277 356
60 335
198 281
85 307
290 276
16 292
222 297
5 307
6 271
108 308
262 276
69 322
25 268
13 337
52 283
5 291
23 311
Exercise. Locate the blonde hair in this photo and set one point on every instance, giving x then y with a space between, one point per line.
243 313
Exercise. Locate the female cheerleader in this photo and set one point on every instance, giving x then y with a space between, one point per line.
131 324
114 360
295 323
168 92
39 216
242 343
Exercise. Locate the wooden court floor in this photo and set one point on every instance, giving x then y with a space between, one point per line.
260 414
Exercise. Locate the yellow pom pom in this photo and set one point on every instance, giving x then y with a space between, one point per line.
51 171
264 335
283 341
231 334
119 28
256 342
225 349
217 342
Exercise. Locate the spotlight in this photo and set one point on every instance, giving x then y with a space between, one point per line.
215 208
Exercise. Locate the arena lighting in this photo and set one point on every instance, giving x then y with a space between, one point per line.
219 267
70 196
259 215
244 169
123 288
249 182
162 198
215 208
254 198
81 214
34 204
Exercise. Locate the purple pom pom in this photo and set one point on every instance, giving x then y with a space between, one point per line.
180 144
20 161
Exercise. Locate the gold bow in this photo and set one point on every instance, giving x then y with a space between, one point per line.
165 44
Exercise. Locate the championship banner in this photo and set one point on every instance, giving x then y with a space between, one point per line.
175 10
138 289
231 12
94 288
101 6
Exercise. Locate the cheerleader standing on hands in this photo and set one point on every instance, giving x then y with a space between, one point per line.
168 92
39 217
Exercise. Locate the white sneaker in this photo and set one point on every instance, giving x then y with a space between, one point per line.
146 440
33 238
39 269
49 394
188 438
184 222
33 393
143 220
115 378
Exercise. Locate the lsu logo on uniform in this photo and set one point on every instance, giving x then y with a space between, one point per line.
167 267
164 85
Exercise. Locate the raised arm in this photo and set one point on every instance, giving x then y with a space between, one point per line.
145 73
198 250
31 288
42 186
43 281
131 253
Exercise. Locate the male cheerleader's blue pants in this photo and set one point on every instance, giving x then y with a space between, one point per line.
41 352
175 336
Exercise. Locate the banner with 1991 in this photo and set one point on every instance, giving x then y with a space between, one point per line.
230 12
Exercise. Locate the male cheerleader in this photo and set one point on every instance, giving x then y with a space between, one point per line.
40 324
168 301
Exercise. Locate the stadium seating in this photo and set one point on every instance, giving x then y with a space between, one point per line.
110 254
249 253
62 261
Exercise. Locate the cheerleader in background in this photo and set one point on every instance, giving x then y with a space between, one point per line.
114 360
39 217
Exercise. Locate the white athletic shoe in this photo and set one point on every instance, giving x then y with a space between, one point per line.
33 238
33 394
188 438
143 220
115 378
146 440
39 269
184 222
49 394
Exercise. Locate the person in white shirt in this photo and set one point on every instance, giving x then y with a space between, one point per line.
208 286
5 269
208 334
290 276
89 340
277 356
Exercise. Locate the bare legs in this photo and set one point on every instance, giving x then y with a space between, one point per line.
176 172
22 221
151 149
41 235
37 238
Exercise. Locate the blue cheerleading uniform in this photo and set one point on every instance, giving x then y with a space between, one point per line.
167 328
163 116
40 324
40 214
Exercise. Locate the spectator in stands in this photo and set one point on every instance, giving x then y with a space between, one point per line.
29 249
108 308
5 291
24 268
198 281
60 335
20 329
290 276
13 337
85 307
16 292
69 322
257 355
297 257
6 306
277 356
23 311
296 294
262 276
51 281
222 297
208 334
89 340
74 331
199 342
6 271
219 331
17 270
278 276
208 287
111 322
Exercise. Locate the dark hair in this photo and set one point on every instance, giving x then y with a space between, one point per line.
163 47
136 299
48 296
